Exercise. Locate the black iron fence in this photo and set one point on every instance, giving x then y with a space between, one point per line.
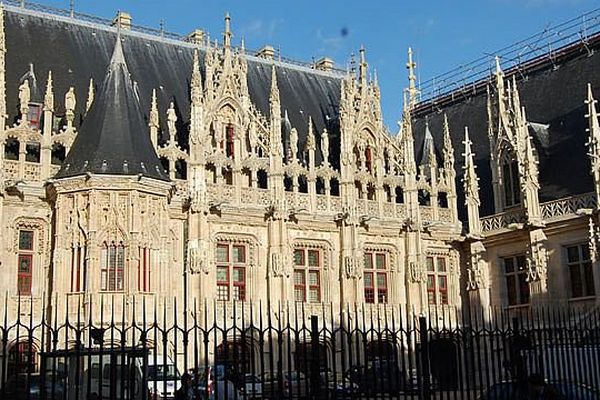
128 349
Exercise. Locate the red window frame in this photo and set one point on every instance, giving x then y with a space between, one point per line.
230 288
25 276
144 269
437 281
34 115
78 269
303 267
376 268
112 270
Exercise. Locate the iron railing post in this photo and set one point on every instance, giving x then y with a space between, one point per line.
425 367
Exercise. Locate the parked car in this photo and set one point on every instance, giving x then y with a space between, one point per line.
337 386
214 384
16 387
377 378
289 384
250 387
163 377
567 391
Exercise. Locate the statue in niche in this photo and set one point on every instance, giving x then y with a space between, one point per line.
294 143
70 101
325 146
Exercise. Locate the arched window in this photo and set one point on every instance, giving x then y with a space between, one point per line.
22 358
11 149
307 275
112 266
231 271
510 182
376 277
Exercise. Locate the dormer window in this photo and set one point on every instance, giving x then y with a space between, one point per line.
34 116
511 186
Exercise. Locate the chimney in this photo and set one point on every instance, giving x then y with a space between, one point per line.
122 20
196 36
267 52
324 64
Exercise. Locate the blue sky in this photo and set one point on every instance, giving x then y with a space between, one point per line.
443 34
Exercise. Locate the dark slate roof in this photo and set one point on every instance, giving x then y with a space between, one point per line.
554 100
114 137
76 51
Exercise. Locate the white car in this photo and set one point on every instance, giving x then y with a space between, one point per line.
250 387
163 378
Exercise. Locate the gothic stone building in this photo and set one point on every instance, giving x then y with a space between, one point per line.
138 168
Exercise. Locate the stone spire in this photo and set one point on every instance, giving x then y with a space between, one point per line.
2 70
153 121
49 95
275 111
227 34
471 188
362 67
113 138
196 81
594 141
448 149
412 90
90 97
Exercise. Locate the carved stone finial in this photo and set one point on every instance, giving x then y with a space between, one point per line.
362 67
294 143
196 81
49 95
274 94
227 34
90 97
448 148
593 142
310 137
412 90
471 188
154 118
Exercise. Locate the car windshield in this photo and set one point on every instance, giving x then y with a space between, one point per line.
251 379
162 372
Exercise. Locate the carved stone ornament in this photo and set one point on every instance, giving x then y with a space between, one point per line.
198 259
537 260
417 274
278 267
477 275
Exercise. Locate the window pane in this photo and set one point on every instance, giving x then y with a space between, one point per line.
369 295
507 185
368 280
576 283
313 278
589 279
25 264
313 295
222 253
441 265
239 254
222 292
380 261
25 240
222 275
442 282
573 254
511 290
431 297
239 293
238 275
299 277
299 294
313 258
381 281
516 187
299 257
382 296
430 281
585 252
430 264
523 289
508 265
369 260
521 263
